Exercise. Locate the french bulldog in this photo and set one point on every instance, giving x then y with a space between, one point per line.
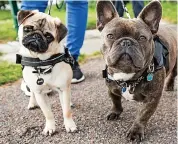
40 36
128 50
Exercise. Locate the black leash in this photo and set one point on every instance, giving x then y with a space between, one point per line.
49 11
60 5
125 9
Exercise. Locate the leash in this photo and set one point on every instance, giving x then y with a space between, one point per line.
49 11
125 9
60 5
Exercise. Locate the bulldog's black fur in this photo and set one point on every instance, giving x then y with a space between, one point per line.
128 47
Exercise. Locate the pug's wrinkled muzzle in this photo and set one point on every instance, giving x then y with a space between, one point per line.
35 42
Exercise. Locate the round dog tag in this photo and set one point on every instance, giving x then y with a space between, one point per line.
40 81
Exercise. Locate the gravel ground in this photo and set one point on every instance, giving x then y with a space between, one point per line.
20 125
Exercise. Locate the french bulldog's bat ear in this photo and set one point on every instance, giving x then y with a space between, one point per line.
24 14
105 13
151 15
61 30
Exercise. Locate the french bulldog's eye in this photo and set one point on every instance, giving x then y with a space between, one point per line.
142 38
110 36
28 29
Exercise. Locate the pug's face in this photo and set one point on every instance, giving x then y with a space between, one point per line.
39 32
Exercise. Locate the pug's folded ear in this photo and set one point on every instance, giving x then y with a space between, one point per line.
22 15
105 13
61 30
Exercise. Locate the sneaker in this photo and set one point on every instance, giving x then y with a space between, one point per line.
77 73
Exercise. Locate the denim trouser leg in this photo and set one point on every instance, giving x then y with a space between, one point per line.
137 7
119 8
32 5
76 17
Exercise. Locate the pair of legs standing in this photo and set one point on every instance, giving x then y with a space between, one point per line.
76 21
137 7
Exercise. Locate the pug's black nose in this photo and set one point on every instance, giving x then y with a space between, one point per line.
125 43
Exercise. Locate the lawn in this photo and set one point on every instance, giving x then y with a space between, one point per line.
8 33
9 72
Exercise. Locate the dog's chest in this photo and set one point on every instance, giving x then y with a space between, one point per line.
127 95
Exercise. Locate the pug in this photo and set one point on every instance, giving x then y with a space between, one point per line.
40 36
133 70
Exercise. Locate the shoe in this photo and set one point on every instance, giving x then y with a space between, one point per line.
77 73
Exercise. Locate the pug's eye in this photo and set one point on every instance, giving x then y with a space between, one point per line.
142 38
49 37
28 29
110 36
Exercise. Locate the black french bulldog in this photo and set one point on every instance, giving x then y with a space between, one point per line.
132 72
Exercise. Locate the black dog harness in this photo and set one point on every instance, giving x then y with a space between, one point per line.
36 63
160 60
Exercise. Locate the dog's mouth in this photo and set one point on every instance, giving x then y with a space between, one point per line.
35 42
125 62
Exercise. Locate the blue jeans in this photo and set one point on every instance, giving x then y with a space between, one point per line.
76 19
137 7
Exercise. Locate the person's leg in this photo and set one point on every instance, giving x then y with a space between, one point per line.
77 13
137 7
119 8
76 21
32 5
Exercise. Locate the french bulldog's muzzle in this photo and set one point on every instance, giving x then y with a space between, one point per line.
126 54
36 42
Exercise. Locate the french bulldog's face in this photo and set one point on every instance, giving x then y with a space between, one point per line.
127 43
39 32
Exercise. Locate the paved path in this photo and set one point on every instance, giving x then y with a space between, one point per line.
20 125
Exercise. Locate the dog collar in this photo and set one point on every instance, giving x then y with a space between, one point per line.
131 84
36 63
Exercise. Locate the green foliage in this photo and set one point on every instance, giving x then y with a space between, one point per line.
9 72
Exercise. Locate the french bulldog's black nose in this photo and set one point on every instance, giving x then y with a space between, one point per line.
125 43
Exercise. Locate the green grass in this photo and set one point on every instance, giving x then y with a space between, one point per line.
5 14
8 33
83 57
170 12
9 72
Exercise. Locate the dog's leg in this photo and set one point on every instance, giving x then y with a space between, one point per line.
171 79
148 107
43 102
32 103
65 103
116 109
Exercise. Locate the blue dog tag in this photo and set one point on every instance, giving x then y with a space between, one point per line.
124 89
150 77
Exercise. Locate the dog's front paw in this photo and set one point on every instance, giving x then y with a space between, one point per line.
114 115
136 133
32 106
70 125
49 128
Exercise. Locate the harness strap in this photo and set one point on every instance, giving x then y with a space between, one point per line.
36 62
